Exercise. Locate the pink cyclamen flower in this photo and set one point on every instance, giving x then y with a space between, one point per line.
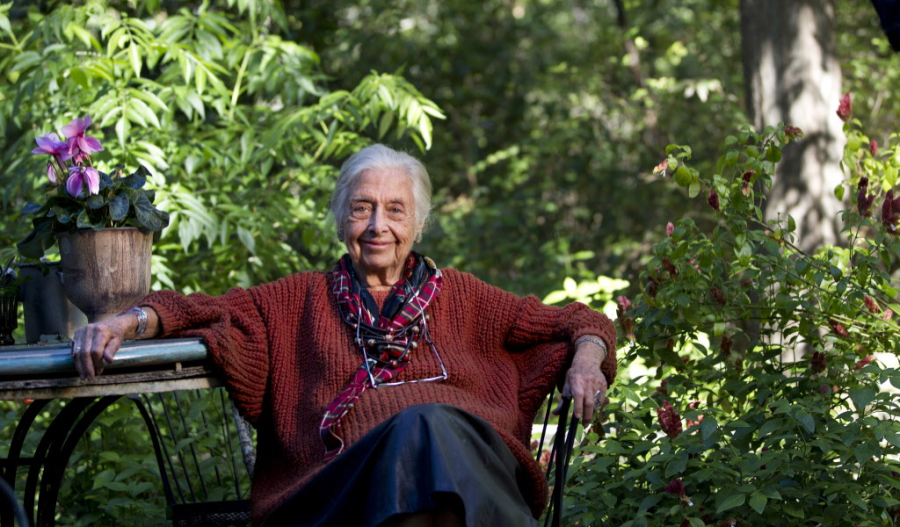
79 176
75 137
670 229
51 172
845 108
50 144
873 147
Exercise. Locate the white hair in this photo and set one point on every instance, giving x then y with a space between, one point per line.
379 157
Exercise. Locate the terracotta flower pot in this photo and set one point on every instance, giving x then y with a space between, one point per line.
105 272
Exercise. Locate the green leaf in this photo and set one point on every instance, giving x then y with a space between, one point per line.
865 452
694 189
384 124
862 396
793 509
805 420
676 466
893 439
136 180
792 225
683 176
773 154
83 221
770 426
118 207
758 502
134 56
31 208
105 181
650 501
855 499
94 202
37 241
147 215
708 426
730 502
836 273
63 215
839 191
122 129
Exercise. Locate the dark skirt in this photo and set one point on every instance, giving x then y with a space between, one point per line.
401 465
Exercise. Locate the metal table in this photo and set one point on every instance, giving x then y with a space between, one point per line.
45 372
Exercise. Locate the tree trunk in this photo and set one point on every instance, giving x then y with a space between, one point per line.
791 75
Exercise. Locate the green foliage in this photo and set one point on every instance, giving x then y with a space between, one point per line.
121 202
540 170
759 395
233 122
113 478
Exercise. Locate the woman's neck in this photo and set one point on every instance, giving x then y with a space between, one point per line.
379 281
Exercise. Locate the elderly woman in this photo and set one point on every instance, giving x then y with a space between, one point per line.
386 392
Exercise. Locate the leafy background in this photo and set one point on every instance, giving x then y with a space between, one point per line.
541 123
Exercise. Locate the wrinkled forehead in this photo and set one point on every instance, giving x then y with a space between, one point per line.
382 185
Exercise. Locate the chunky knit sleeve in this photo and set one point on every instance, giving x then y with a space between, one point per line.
236 328
523 324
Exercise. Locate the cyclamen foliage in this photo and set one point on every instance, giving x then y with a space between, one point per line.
81 197
768 354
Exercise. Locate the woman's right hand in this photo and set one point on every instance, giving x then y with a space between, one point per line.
95 345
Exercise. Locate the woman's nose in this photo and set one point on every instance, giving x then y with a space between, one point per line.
377 220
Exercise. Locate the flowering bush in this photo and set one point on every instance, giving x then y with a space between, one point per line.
80 197
760 395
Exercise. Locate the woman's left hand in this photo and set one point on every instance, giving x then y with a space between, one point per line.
585 382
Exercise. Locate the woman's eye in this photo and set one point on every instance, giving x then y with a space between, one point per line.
359 210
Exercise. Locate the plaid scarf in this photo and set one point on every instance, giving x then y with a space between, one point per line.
386 338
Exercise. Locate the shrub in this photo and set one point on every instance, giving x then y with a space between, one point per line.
762 400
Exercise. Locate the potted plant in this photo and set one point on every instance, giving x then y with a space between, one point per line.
104 224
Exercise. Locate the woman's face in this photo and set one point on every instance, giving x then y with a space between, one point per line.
380 224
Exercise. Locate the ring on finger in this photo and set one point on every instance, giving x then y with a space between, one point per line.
598 400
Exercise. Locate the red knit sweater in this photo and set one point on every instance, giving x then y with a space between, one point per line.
284 354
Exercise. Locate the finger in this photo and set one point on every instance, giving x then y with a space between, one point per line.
578 398
558 408
87 362
101 336
81 354
109 352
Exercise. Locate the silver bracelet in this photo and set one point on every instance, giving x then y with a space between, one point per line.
595 341
142 319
